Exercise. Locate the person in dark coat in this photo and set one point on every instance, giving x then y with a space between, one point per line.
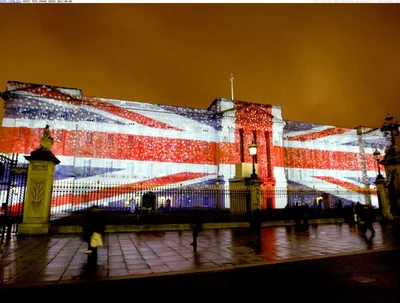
359 211
304 214
298 216
256 224
197 226
368 216
94 223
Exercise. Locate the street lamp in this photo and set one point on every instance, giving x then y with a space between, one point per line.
377 156
253 153
391 128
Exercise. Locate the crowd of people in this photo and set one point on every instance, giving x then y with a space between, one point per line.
355 214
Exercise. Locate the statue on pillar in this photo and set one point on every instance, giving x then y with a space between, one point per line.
47 142
44 150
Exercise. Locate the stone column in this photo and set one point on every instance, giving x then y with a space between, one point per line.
238 200
219 201
391 161
382 198
37 205
255 194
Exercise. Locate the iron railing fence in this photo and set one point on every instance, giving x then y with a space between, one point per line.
77 196
279 198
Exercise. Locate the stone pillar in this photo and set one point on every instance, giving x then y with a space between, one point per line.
326 201
37 206
391 161
255 194
238 196
382 197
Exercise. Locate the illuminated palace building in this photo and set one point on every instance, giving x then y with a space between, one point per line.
107 140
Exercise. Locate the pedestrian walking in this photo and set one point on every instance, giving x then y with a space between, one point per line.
298 216
358 208
197 226
93 232
368 217
256 224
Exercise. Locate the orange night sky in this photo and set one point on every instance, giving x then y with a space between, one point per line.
322 63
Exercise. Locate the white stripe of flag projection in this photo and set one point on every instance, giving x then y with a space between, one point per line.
111 150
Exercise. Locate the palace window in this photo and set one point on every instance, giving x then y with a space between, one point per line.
21 132
255 141
241 146
169 169
61 116
268 152
86 167
59 135
150 170
131 169
89 137
110 139
109 167
131 140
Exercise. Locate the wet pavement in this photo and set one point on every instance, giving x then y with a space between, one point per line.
61 259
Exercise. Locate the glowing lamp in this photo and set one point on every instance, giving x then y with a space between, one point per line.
253 149
377 156
253 153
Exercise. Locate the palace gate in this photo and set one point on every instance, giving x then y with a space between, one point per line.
13 176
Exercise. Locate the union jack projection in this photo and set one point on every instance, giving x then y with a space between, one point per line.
333 160
135 143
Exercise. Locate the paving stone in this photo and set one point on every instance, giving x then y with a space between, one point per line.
62 258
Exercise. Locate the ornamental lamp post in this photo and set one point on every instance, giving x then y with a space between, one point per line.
253 153
384 204
391 128
377 156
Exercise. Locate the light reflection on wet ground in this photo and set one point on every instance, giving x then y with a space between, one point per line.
61 258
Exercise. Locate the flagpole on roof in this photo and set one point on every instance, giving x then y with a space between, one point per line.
232 79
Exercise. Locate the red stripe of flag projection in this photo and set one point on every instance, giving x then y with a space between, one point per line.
105 193
135 143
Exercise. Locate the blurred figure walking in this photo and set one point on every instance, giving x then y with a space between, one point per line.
197 226
358 208
93 232
368 216
256 224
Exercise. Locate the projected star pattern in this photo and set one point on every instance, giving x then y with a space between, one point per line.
132 142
